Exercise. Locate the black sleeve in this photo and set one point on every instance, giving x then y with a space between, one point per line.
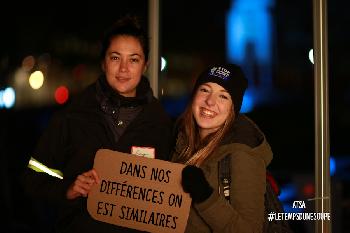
51 151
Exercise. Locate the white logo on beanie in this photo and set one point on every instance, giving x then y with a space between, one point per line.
219 72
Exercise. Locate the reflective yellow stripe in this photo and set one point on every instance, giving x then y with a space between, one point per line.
39 167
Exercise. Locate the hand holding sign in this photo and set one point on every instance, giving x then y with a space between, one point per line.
82 185
139 193
195 183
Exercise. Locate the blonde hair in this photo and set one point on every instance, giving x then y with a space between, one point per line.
197 150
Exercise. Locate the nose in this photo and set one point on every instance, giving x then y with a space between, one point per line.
210 100
123 65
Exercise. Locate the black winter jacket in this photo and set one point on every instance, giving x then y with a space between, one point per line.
69 144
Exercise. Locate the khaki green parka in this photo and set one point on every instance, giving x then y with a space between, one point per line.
250 155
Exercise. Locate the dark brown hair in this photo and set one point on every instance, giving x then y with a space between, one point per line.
126 26
197 150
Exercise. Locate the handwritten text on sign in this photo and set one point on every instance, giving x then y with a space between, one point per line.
139 193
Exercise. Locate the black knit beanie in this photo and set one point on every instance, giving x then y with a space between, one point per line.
230 77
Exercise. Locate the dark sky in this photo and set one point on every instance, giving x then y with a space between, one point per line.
196 32
192 34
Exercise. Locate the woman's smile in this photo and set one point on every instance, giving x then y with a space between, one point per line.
211 107
207 113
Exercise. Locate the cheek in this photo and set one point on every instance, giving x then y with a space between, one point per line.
136 72
198 99
108 67
196 105
137 78
226 109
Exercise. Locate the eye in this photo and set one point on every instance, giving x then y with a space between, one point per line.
203 89
134 60
223 97
115 58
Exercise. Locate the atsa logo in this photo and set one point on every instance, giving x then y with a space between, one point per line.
219 72
299 205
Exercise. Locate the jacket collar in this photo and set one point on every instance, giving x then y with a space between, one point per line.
105 94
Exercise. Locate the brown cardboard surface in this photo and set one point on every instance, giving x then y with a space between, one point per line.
138 192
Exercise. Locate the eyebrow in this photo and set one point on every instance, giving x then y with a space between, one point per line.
224 90
133 54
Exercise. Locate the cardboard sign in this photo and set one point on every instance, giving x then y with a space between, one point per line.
139 193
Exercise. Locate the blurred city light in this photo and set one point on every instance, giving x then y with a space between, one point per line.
309 190
36 80
288 208
311 56
341 166
78 71
287 196
163 63
1 100
248 102
21 77
332 165
7 98
249 22
288 192
28 63
249 32
61 94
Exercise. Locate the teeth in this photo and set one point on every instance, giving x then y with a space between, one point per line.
206 112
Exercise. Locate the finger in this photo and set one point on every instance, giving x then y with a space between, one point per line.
83 185
85 179
95 175
71 193
80 190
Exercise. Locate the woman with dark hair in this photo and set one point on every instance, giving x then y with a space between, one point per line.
212 130
117 112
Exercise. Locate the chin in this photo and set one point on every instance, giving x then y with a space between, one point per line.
206 126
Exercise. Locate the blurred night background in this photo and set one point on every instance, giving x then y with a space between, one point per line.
270 39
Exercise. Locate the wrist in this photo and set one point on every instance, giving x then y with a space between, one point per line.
203 196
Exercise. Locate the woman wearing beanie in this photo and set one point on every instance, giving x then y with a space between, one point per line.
210 131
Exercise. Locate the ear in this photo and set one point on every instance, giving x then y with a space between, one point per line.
146 67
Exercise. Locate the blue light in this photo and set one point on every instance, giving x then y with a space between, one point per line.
288 192
174 107
249 32
7 98
1 100
288 208
332 166
249 22
248 102
287 196
235 37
